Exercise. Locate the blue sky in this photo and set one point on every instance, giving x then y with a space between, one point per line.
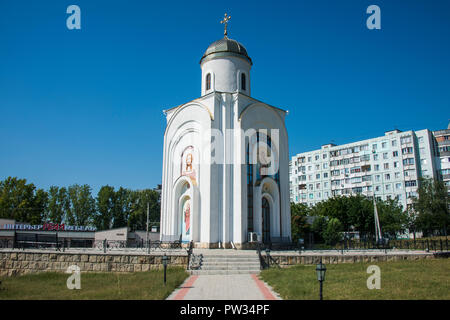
85 106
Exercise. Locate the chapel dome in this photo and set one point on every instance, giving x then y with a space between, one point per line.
225 47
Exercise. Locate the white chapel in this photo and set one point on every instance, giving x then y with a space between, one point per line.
225 181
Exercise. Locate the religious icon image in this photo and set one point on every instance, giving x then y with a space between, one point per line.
189 159
187 217
187 163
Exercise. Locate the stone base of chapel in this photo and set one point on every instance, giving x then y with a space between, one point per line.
226 245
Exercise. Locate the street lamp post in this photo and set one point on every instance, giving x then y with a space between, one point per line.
320 270
164 261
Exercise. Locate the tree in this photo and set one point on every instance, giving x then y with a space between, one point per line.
361 215
58 205
393 219
431 206
21 201
122 207
332 233
82 205
105 204
138 217
40 205
299 225
319 226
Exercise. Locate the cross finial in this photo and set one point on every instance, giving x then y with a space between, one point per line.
225 22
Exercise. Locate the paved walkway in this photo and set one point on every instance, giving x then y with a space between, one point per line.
224 287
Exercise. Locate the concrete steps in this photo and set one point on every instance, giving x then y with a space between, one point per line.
228 263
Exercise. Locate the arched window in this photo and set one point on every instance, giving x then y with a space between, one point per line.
243 81
208 81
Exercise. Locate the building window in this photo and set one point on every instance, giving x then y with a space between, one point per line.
243 81
355 169
411 183
395 154
208 81
405 139
407 150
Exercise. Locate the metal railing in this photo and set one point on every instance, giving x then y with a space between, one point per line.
62 244
194 260
422 244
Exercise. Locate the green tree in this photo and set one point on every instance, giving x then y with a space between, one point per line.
138 217
332 233
123 204
431 206
105 204
299 225
82 205
319 226
40 205
58 204
361 215
21 201
393 220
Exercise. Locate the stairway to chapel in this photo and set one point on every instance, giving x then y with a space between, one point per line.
226 262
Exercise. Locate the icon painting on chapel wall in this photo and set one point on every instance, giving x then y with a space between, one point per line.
187 217
187 163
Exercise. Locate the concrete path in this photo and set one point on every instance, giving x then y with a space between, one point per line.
224 287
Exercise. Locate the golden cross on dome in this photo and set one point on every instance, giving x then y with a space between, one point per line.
225 22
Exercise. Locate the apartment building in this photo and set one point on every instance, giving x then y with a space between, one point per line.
442 158
385 167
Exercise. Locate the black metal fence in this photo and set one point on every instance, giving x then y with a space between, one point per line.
423 244
37 241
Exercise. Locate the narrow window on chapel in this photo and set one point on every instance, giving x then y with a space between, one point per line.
243 81
208 81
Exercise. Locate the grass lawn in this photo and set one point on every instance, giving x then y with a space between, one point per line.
407 280
51 285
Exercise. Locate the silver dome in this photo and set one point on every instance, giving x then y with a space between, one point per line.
226 47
